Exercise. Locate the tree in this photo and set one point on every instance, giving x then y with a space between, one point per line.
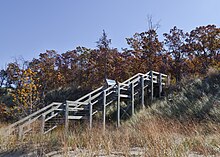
46 68
146 49
204 47
175 47
103 45
25 96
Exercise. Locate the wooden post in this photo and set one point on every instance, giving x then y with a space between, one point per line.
152 86
42 123
104 109
90 115
168 80
90 112
160 85
132 98
118 106
66 118
20 132
142 91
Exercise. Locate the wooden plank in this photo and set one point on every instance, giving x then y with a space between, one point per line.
42 123
104 109
160 85
123 84
118 106
130 79
32 115
87 95
75 103
124 96
51 110
90 113
66 118
110 102
30 121
152 86
75 117
142 91
93 103
132 99
76 109
20 132
108 93
50 129
54 115
95 112
90 116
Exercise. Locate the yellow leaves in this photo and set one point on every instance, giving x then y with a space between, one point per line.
26 92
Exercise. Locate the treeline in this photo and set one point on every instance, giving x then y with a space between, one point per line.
24 85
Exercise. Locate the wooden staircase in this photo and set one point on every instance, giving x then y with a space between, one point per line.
132 92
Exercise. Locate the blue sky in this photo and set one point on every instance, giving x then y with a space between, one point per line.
29 27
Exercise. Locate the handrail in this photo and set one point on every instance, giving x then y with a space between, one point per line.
90 98
32 115
87 95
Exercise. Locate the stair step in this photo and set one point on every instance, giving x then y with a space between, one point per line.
76 117
124 96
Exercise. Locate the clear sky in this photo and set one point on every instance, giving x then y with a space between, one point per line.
29 27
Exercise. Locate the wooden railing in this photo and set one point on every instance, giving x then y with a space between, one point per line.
96 101
25 125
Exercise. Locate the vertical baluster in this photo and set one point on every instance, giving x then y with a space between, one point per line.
132 98
42 123
142 91
118 106
104 109
152 86
160 85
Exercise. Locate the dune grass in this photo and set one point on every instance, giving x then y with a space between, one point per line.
187 124
150 135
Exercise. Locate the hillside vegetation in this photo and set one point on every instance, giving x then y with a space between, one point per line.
26 86
185 123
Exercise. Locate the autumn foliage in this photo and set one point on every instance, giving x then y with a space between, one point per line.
180 54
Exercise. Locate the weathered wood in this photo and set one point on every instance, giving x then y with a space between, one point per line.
66 118
90 113
20 132
86 102
51 129
42 123
91 93
118 105
124 96
32 115
152 86
74 117
109 102
132 98
142 91
160 85
54 115
77 108
104 109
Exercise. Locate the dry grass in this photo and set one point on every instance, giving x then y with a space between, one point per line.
189 124
153 136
